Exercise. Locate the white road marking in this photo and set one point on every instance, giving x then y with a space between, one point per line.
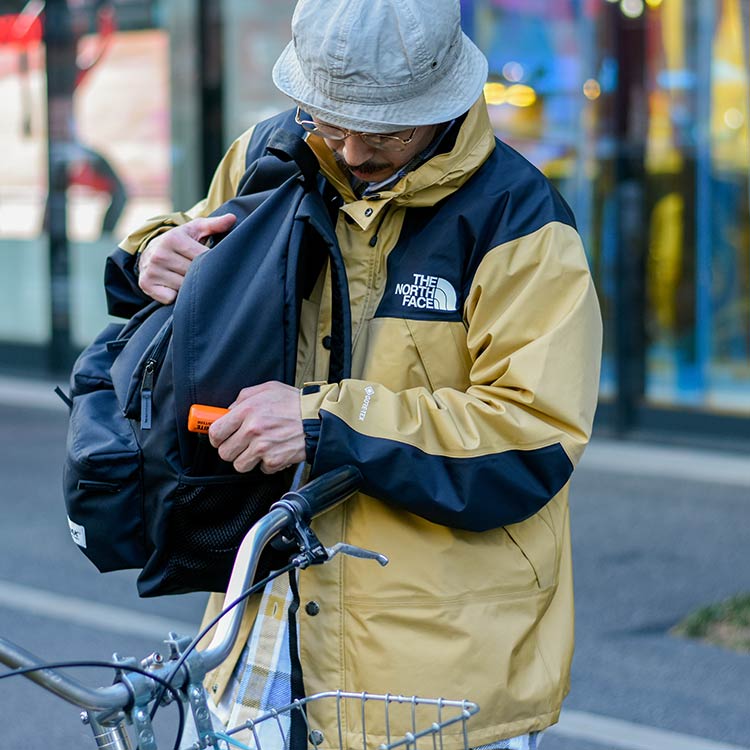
641 459
90 614
616 734
32 393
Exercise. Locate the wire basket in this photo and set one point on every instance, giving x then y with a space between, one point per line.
405 722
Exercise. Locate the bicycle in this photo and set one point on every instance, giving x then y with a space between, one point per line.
141 687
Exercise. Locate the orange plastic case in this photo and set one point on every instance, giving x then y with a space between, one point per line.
201 417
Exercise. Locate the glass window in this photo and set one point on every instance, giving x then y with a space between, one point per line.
255 33
554 90
698 162
548 69
111 119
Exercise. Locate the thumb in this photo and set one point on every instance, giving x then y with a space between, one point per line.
219 224
209 225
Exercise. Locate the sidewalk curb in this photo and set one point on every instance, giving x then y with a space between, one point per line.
651 460
617 734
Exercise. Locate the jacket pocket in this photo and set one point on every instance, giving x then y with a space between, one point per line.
441 346
538 543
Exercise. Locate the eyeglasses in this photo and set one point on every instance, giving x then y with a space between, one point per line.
380 141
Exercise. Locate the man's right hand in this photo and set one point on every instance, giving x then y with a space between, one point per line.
166 259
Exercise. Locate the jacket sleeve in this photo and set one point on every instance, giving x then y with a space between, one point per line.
223 187
497 452
124 297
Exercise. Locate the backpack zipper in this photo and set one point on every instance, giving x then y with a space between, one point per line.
149 373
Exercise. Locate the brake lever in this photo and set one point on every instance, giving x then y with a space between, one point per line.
352 551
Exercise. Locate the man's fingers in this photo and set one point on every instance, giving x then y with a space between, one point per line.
161 284
165 261
162 261
162 294
246 461
263 426
200 229
222 430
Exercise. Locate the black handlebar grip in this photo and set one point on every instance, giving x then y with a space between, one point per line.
324 491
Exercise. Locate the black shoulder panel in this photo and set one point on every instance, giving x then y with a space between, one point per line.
431 268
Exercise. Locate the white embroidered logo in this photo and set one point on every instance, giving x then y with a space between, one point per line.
78 533
369 393
428 293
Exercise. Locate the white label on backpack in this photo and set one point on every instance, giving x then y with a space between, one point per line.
78 533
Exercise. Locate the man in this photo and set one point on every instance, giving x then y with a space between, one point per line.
476 344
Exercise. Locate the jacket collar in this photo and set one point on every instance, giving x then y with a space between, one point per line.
429 183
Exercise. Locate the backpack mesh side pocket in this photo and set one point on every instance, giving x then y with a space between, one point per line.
207 519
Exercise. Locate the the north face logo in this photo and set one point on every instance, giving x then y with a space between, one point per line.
428 293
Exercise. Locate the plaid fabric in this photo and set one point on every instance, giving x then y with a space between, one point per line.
261 679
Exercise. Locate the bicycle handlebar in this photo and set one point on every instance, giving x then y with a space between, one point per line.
322 493
112 698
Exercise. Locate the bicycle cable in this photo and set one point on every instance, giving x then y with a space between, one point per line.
163 683
194 643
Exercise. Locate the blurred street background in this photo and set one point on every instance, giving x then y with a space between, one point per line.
637 110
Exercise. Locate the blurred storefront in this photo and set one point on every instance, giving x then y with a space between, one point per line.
638 110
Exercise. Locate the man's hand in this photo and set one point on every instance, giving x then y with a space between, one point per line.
263 426
166 259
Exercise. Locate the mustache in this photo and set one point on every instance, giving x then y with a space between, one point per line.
366 167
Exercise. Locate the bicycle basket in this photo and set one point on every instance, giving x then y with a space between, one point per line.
408 722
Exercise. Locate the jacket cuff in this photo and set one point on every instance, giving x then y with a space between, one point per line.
124 297
137 240
313 395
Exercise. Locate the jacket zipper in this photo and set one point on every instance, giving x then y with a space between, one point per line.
149 373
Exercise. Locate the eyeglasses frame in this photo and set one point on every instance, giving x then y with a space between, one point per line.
311 126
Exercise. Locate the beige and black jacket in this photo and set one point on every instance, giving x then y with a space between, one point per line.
476 347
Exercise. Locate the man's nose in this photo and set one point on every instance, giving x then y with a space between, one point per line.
355 151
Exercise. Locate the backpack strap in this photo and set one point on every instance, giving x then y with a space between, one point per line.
298 727
237 313
292 157
288 146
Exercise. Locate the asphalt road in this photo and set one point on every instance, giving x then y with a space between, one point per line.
648 549
36 552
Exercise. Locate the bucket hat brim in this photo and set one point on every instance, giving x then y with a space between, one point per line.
448 97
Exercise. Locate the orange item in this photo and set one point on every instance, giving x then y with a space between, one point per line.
201 417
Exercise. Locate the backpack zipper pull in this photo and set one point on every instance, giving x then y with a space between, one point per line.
147 386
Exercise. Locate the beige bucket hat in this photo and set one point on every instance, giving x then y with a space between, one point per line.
380 65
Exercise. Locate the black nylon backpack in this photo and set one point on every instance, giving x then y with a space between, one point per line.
140 490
